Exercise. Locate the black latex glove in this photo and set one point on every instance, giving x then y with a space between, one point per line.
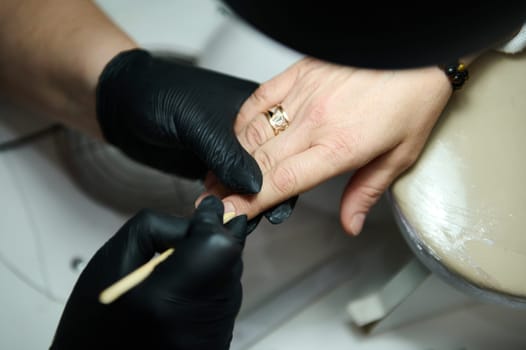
190 300
176 117
179 119
275 215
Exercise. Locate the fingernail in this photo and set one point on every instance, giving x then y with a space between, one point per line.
229 208
357 223
228 216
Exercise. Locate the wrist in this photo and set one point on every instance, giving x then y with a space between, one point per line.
51 62
90 70
115 89
456 71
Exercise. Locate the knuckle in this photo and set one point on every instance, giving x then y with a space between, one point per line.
255 134
262 94
332 156
284 181
406 158
369 195
309 63
340 149
248 205
407 161
241 115
316 112
265 160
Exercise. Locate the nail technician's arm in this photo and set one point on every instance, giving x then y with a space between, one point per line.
189 302
342 119
52 54
67 59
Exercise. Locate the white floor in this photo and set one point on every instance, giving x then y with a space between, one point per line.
325 324
299 276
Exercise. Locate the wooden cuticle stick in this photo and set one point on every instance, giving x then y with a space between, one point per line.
129 281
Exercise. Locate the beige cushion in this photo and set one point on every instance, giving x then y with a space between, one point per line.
465 198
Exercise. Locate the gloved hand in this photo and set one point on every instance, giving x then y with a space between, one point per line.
179 119
190 300
176 118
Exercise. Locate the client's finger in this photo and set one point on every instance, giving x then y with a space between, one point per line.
255 133
269 124
287 144
292 176
366 187
266 96
217 190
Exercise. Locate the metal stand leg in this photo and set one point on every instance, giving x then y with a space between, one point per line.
412 294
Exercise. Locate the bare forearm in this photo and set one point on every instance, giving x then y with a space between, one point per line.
52 53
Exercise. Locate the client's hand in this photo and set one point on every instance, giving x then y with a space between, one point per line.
341 119
190 300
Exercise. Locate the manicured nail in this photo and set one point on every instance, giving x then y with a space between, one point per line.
357 223
229 208
228 216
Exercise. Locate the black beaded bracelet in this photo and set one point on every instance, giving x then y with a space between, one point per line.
457 74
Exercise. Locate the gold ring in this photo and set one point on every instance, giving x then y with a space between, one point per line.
278 119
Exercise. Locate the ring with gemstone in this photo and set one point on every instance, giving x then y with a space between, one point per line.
277 118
